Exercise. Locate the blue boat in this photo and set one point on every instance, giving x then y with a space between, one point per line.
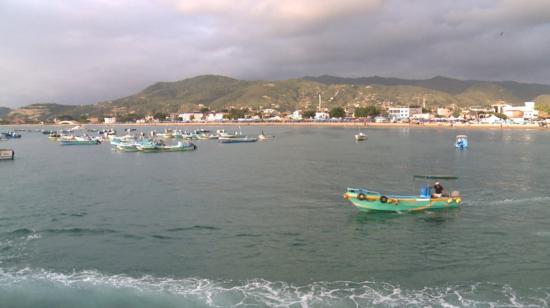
461 142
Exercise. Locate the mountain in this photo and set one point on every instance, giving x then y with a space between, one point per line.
220 92
521 91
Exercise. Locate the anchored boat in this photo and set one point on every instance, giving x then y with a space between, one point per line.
368 200
75 140
237 139
461 142
360 137
7 154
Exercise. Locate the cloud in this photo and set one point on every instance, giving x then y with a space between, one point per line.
83 51
278 16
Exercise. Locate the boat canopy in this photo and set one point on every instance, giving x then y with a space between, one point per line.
461 136
435 177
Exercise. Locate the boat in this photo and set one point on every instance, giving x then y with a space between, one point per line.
360 137
75 140
7 154
264 137
239 139
367 200
153 146
168 133
54 136
179 147
223 134
11 135
127 146
461 142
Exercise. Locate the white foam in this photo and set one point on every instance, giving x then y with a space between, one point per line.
281 294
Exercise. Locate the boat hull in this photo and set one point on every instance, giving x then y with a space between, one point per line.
364 200
7 154
79 142
237 140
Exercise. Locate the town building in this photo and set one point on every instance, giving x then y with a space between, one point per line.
191 116
321 115
444 112
215 116
111 120
296 115
518 114
400 113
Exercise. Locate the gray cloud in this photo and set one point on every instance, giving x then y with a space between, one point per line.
83 51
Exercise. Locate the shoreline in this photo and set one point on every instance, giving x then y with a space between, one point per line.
306 124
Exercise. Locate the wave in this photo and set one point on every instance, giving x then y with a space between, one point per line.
195 227
24 286
79 231
510 201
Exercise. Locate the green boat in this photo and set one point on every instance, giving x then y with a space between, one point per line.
368 200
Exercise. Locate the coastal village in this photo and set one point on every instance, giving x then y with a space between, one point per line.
500 113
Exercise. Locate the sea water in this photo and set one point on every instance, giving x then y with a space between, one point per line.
264 224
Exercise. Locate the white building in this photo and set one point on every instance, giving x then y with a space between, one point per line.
517 113
191 116
422 116
296 115
403 112
110 120
215 116
322 116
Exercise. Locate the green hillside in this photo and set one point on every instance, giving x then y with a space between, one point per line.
220 92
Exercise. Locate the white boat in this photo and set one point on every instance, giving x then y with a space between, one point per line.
7 154
75 140
361 137
263 136
239 139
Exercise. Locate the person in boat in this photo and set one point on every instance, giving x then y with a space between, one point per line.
438 190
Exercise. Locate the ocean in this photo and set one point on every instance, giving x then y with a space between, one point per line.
264 224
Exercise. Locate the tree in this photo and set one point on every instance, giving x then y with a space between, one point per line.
235 114
160 115
337 112
366 112
308 114
65 118
501 116
204 109
83 119
456 113
132 117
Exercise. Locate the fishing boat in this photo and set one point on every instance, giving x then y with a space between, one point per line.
461 142
367 200
127 146
264 137
153 146
54 136
168 133
7 154
11 135
360 137
239 139
76 140
179 147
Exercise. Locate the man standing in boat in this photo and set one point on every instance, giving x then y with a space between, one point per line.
438 190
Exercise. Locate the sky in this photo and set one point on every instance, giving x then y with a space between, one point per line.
84 51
